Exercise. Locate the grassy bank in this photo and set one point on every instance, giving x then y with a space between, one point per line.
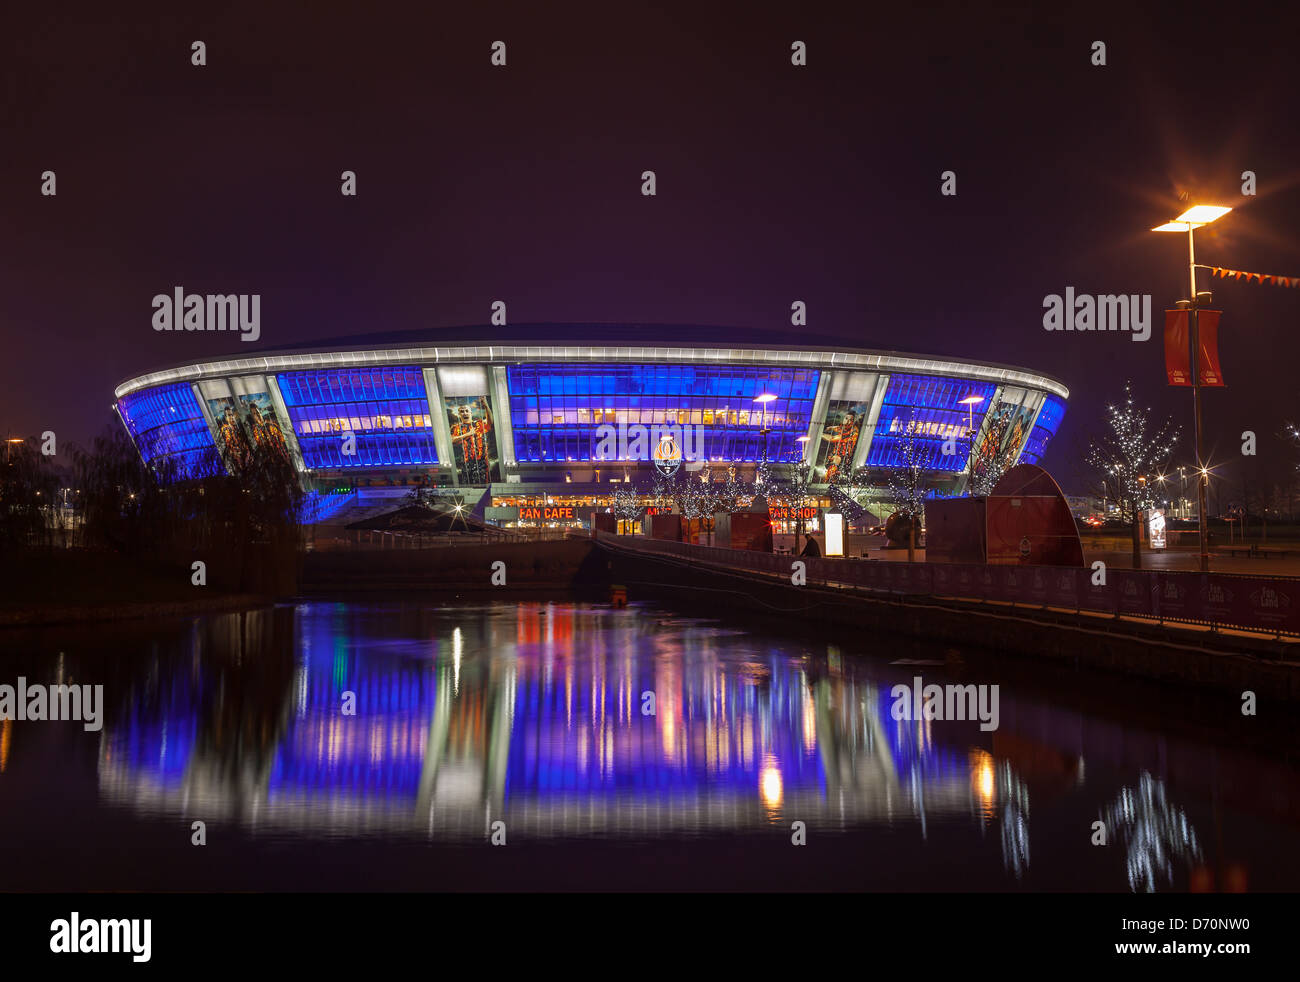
65 585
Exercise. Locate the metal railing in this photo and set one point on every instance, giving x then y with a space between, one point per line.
1268 604
380 539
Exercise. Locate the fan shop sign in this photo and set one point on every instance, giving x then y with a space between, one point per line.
782 513
549 513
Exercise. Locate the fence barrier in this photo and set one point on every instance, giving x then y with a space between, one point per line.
1220 600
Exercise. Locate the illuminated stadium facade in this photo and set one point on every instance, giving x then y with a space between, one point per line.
520 418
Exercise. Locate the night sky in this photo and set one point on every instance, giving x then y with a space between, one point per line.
775 183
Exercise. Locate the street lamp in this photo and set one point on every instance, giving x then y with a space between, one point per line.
970 402
1189 221
764 399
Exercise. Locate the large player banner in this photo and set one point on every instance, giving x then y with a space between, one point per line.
839 440
245 422
473 439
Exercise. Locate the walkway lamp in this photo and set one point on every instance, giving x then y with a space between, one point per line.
1189 221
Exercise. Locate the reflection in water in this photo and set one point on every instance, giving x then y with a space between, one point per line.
387 721
1015 822
540 715
1155 833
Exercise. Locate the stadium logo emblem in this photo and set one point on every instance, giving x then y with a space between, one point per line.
667 455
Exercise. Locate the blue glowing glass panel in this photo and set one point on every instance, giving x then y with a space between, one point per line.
557 410
1045 427
934 411
385 408
168 427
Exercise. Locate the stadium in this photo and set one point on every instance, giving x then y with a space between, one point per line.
532 431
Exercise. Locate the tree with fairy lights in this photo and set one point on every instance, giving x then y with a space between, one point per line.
624 504
908 486
848 491
1126 459
731 494
990 462
694 496
1291 433
663 489
795 494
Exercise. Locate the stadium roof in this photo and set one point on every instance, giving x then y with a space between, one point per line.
638 343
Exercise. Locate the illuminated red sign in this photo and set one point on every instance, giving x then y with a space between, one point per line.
659 510
780 513
549 513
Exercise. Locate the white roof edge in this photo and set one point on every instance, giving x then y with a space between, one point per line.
825 360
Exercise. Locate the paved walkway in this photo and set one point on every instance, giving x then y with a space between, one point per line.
1284 562
1189 560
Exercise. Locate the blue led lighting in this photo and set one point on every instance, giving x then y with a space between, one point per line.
386 409
1045 427
557 410
933 406
169 430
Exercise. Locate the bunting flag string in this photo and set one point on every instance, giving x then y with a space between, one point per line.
1237 274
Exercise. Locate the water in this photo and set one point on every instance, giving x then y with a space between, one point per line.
533 715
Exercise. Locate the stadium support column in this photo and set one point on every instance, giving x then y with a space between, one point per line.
504 427
1041 401
286 425
438 417
206 411
817 425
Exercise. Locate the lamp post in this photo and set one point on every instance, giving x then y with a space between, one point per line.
970 402
803 472
1190 220
764 399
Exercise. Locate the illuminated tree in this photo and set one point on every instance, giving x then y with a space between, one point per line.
795 493
849 490
990 462
908 486
694 496
1127 457
731 494
624 504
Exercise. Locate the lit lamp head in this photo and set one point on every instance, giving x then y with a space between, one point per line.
764 399
970 402
1193 217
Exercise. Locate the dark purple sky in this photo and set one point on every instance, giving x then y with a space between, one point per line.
775 183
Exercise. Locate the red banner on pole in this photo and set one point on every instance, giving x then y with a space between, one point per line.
1207 337
1177 353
